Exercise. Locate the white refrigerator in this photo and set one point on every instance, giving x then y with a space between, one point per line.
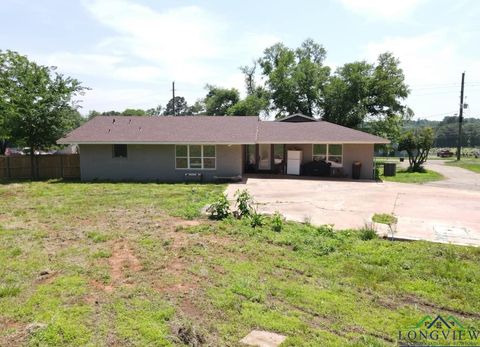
294 159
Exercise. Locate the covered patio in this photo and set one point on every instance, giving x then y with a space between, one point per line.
334 160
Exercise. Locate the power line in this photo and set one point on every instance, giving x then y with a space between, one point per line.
460 119
437 114
173 97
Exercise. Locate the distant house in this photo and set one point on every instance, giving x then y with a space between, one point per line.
217 147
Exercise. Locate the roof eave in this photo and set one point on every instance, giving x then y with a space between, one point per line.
71 142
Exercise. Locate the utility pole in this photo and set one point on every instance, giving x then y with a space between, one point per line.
173 97
460 119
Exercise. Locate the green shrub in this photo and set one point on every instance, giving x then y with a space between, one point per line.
244 203
220 209
256 219
326 230
368 232
277 222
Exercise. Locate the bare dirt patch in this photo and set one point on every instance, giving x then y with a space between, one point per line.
47 277
18 335
122 261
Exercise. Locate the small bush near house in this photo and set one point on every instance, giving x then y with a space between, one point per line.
277 222
244 203
368 232
220 209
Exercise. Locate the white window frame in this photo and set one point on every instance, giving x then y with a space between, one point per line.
327 155
202 157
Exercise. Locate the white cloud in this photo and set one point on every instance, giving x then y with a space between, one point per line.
151 48
433 63
385 9
180 40
118 99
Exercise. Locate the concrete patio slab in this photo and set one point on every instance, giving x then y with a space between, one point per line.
425 212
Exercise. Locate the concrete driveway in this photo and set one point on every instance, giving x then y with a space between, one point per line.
436 213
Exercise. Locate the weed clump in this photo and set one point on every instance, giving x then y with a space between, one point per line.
220 209
368 232
244 203
277 222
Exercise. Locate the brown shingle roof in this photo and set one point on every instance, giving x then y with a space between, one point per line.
312 132
211 129
168 129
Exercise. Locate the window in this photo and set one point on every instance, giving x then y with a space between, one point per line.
278 152
195 157
335 153
328 152
119 151
319 152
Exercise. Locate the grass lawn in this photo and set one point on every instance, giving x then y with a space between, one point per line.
472 164
135 264
403 176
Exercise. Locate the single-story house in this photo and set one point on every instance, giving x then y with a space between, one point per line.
178 148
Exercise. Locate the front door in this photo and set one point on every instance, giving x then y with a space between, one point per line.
264 154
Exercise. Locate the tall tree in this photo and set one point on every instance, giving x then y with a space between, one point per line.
35 100
346 94
368 96
219 100
295 78
181 107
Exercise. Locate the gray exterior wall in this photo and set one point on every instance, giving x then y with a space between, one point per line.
362 153
151 162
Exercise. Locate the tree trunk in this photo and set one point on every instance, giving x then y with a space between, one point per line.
3 146
32 163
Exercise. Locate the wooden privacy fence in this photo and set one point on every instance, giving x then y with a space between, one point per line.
47 166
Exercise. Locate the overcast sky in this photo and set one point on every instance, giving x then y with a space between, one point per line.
128 52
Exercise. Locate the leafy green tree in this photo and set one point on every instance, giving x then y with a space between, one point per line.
72 117
154 111
92 114
295 78
219 100
134 112
252 105
181 107
35 101
368 96
4 131
346 95
112 113
417 143
198 108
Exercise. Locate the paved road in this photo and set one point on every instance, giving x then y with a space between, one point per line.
455 177
449 213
